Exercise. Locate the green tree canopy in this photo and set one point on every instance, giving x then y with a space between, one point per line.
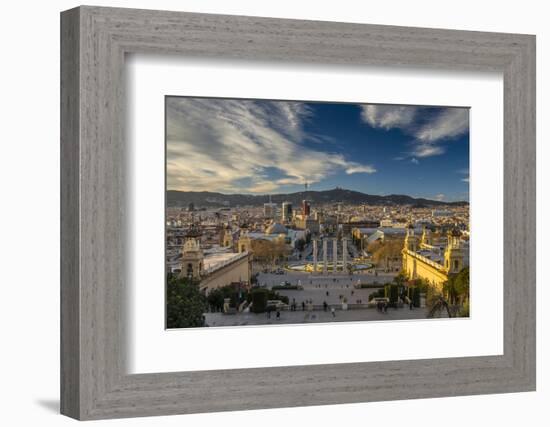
185 304
457 288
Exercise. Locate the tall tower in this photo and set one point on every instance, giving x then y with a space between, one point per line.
454 258
228 236
411 240
314 256
192 257
306 204
426 236
286 211
244 243
306 207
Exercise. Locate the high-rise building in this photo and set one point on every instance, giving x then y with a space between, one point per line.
306 207
270 210
287 211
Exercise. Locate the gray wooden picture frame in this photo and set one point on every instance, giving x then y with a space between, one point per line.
94 381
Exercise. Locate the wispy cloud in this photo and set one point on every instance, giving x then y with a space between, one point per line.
427 150
452 122
415 160
388 116
430 127
244 146
357 168
466 172
440 197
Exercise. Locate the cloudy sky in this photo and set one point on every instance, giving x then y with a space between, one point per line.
262 147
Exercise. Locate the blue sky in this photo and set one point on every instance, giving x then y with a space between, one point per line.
262 147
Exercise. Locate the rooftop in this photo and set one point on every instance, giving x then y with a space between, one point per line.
217 260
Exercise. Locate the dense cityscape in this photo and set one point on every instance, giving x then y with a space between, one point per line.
281 263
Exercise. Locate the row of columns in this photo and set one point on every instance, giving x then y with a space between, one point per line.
334 254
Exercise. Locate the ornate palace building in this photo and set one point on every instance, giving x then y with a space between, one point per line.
219 267
433 261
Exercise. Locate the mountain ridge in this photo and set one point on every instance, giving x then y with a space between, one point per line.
175 198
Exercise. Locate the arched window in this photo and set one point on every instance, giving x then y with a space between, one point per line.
456 264
189 269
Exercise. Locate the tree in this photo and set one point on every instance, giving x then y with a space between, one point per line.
385 251
380 293
260 296
215 299
438 306
300 244
391 291
268 252
457 291
454 298
185 304
236 295
400 279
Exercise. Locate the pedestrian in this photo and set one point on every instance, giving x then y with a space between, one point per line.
385 307
410 304
278 314
327 293
303 306
333 311
325 305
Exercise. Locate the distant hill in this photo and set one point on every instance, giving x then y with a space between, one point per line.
210 199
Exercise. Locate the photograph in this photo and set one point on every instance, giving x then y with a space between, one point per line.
293 212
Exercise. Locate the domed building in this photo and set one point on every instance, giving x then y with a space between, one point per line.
276 228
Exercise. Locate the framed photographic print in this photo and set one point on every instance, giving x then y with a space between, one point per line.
268 220
284 213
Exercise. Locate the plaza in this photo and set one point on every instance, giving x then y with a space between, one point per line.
315 290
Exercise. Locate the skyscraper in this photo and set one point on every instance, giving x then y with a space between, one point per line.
270 210
286 211
306 207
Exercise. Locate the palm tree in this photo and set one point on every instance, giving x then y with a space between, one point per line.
455 297
440 305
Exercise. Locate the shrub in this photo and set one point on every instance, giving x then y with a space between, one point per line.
416 296
259 297
287 287
216 296
380 293
391 292
369 286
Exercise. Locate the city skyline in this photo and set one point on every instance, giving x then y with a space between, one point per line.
235 146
